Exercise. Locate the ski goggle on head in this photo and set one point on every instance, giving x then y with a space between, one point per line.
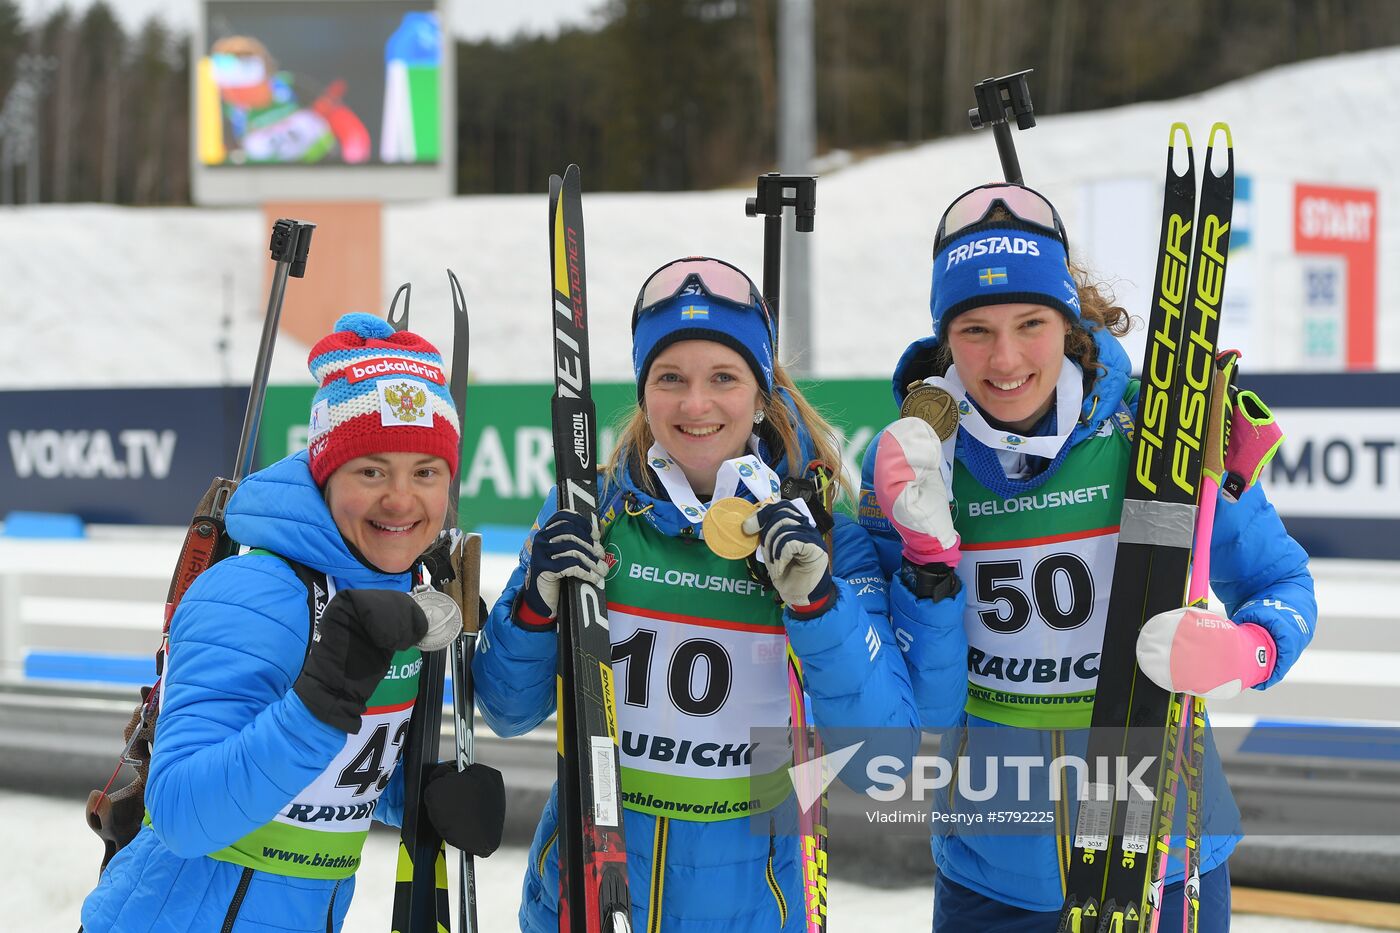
980 204
696 275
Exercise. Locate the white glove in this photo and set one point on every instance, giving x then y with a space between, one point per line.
909 487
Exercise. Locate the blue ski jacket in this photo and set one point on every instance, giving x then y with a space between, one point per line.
727 875
1257 571
235 743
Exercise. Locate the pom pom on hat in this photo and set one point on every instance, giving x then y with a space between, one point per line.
381 391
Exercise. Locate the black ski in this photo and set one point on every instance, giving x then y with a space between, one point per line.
593 893
1119 848
467 570
421 898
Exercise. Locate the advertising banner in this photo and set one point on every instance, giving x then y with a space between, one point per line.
1342 222
124 456
145 456
1336 479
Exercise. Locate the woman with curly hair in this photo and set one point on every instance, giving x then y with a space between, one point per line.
1005 535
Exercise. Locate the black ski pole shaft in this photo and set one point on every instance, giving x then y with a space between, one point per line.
1006 151
772 264
999 99
291 242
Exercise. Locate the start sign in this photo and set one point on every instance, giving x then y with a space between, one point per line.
1342 222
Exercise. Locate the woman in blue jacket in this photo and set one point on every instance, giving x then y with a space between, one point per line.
279 734
1023 561
716 419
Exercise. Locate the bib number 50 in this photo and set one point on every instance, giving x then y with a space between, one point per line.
1061 592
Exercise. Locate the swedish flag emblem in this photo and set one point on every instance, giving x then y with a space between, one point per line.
993 276
695 312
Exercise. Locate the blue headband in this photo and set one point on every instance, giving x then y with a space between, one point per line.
995 264
700 317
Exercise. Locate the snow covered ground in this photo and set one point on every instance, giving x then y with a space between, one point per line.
100 295
51 860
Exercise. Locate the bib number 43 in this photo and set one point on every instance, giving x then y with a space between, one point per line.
368 767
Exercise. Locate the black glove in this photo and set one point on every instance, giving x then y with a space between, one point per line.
468 808
351 650
566 546
796 557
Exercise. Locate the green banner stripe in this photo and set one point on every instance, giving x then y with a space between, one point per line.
298 851
400 684
1066 711
654 570
704 800
1066 504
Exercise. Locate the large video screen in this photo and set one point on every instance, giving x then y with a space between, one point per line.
320 82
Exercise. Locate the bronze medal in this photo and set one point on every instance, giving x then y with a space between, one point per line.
723 528
932 405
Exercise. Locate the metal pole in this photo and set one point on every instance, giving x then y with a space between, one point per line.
772 265
291 242
1006 149
797 110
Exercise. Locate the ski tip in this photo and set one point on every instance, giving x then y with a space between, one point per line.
399 320
1223 128
1229 167
459 301
1178 127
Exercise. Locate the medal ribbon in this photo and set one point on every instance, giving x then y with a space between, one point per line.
757 476
1069 397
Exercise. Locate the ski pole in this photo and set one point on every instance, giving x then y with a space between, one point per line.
776 192
997 100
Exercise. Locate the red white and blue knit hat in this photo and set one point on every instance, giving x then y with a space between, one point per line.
380 391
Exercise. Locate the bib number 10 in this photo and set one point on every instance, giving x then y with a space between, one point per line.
1061 591
689 696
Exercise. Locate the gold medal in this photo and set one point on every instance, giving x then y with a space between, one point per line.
723 528
932 405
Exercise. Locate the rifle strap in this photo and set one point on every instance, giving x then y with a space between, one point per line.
117 817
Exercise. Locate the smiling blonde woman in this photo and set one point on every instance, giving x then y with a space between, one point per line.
699 639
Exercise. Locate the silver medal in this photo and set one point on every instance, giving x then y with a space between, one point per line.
444 617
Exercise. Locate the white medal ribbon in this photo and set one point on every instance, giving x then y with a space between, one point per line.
1069 397
757 476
